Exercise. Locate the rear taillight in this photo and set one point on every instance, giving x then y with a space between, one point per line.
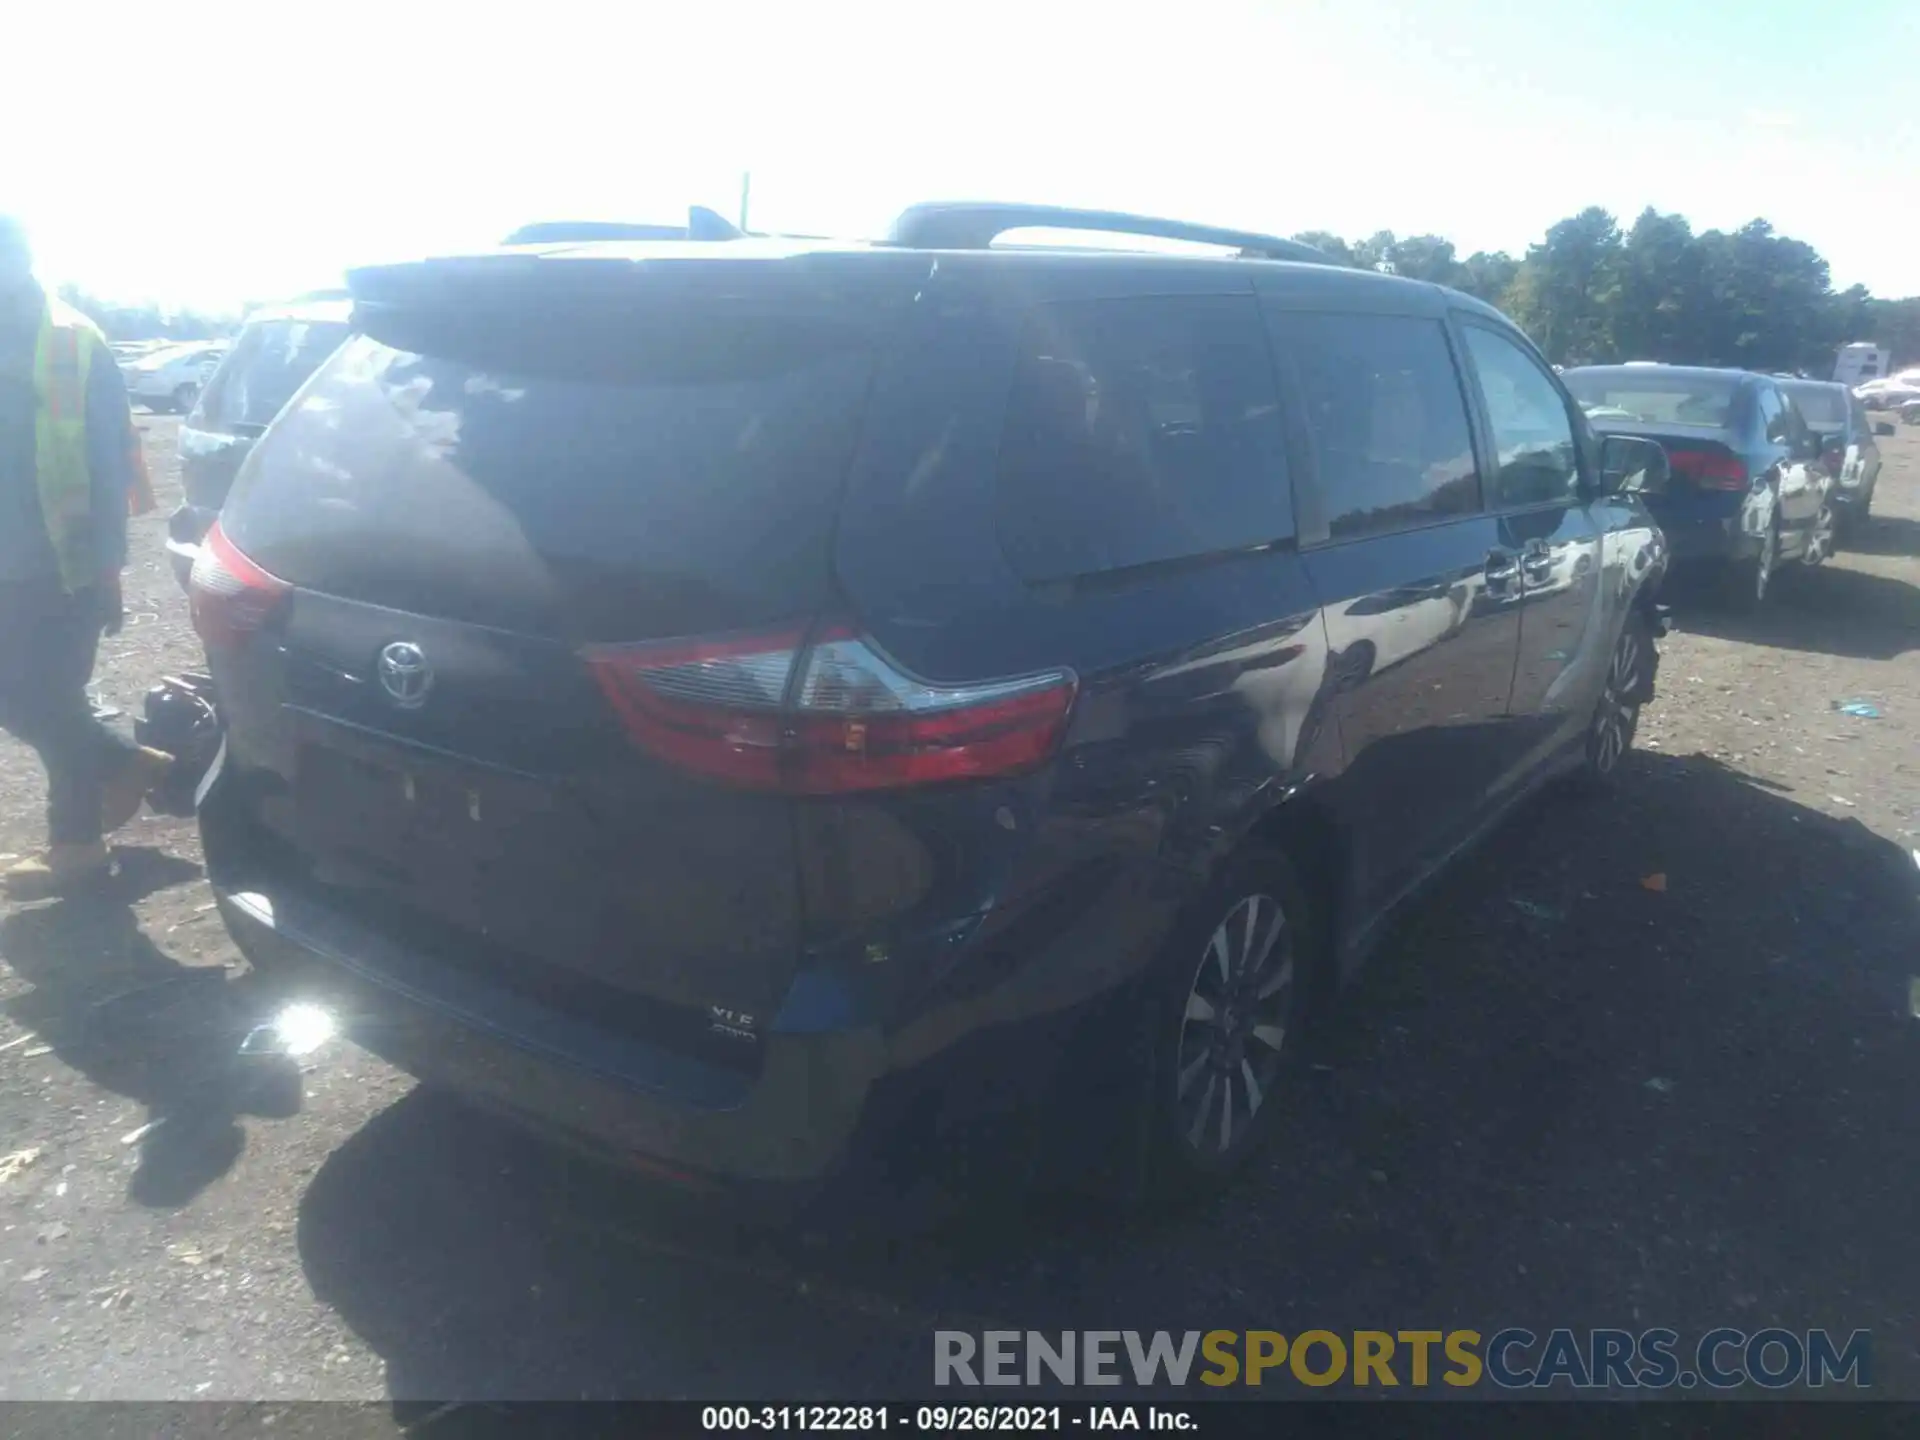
229 596
1709 469
824 715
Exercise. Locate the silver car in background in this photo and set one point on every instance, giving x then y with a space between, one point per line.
1847 446
277 350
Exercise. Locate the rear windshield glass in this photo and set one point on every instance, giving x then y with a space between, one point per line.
606 477
1653 398
272 360
1824 407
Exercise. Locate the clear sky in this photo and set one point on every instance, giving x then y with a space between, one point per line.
206 152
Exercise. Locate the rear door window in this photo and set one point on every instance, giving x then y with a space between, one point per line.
1387 420
1535 459
1138 431
1773 415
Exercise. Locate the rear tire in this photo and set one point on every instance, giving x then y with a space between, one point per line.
1228 1012
1616 714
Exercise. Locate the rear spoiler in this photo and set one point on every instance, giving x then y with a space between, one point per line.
842 285
702 224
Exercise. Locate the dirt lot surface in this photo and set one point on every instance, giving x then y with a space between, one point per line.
1566 1092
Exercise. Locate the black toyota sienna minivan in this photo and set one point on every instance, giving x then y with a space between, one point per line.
783 712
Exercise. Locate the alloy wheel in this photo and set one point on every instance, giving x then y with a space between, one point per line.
1618 715
1820 542
1234 1025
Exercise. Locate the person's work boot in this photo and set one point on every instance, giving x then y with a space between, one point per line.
60 869
122 791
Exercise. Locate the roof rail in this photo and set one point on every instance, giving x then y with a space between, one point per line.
968 225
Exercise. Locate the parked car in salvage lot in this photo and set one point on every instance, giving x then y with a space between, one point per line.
1000 766
1749 491
168 380
1848 446
1890 392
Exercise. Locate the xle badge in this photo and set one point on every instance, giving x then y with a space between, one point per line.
733 1024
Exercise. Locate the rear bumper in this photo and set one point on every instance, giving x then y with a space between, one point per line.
1719 538
629 1103
781 1119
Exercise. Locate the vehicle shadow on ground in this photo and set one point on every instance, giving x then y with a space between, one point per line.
1831 610
118 1009
1564 1093
1886 535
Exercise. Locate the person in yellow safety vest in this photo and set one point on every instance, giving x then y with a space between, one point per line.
68 479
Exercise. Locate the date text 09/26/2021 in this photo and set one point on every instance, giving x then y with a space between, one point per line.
945 1419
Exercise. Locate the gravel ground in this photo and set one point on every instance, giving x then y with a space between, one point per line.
1565 1093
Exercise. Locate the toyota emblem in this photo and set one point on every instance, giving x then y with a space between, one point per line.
405 674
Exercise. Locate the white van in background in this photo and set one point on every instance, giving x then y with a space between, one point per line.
1859 362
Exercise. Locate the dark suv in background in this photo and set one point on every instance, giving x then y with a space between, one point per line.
278 348
1749 490
777 712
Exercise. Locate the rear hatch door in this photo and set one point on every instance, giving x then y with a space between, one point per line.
509 465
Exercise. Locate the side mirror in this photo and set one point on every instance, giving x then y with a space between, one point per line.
1630 465
1883 427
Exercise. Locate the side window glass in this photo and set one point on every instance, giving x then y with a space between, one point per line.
1138 431
1535 459
1773 414
1797 431
1386 417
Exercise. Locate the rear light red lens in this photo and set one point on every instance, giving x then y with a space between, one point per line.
712 707
228 595
1709 469
826 717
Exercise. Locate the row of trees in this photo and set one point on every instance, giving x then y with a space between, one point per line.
145 321
1592 292
1589 292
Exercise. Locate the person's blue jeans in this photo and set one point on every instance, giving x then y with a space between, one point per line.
48 640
